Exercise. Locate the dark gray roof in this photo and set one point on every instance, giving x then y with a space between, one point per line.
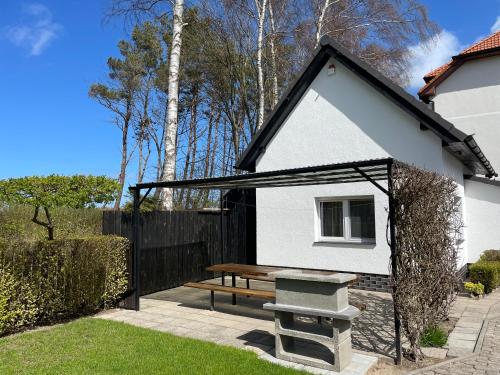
458 143
355 171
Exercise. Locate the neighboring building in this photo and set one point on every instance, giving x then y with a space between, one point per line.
340 110
466 92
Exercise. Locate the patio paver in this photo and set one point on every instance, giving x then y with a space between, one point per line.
485 349
185 312
471 314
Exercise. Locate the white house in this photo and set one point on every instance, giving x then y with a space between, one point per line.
340 110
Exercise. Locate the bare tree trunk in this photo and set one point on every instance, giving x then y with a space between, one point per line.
170 140
143 126
273 56
261 8
209 143
124 159
214 148
224 148
144 164
210 166
193 156
191 137
49 225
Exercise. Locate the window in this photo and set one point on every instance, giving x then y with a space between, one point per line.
346 220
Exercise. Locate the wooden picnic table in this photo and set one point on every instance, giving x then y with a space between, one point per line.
241 269
248 270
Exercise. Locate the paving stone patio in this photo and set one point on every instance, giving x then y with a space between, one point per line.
467 338
471 314
185 312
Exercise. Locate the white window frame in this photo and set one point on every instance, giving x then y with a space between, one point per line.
347 238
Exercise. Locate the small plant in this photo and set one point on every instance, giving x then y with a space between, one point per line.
434 337
476 289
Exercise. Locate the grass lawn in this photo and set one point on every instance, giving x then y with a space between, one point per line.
95 346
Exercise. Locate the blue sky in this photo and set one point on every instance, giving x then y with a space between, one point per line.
51 51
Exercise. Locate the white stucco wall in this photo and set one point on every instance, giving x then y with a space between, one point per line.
340 118
470 99
286 230
483 214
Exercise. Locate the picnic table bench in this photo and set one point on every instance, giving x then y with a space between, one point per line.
265 294
247 272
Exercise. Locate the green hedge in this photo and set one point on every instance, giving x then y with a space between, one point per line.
16 224
47 281
487 273
490 255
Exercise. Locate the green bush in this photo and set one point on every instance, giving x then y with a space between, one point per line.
16 224
486 273
475 288
490 255
434 337
46 281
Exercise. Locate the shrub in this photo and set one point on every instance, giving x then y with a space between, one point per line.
434 337
474 288
486 273
46 281
490 255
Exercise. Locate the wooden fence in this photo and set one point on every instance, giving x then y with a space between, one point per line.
177 246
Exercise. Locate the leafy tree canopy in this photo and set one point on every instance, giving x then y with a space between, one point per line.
59 191
77 191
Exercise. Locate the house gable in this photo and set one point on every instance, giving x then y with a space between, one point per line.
463 146
341 118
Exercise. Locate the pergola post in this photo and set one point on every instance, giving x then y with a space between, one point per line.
394 263
136 243
221 202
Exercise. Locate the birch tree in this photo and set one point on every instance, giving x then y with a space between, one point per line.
170 138
321 20
261 6
138 9
379 32
272 38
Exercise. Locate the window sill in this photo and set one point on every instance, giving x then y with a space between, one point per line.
345 242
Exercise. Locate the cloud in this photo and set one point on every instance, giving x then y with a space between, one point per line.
431 54
496 25
37 33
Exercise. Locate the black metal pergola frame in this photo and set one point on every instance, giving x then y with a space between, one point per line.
368 170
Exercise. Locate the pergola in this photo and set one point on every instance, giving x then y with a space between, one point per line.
373 171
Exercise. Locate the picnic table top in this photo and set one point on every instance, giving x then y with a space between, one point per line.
255 270
248 269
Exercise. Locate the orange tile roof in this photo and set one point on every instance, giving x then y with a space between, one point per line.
437 71
484 45
492 41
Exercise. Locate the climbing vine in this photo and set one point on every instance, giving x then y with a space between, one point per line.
429 226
